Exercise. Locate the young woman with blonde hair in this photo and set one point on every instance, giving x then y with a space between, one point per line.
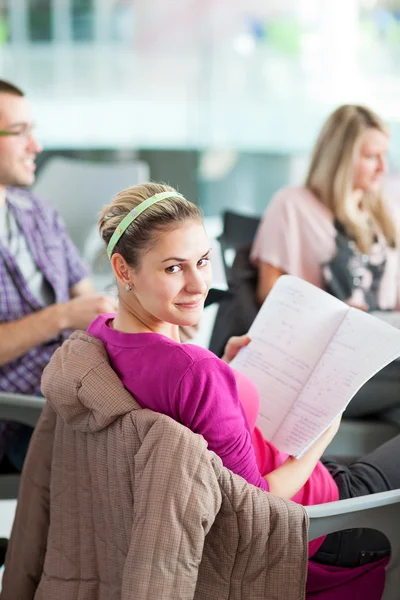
337 231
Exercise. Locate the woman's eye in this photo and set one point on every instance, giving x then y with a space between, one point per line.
203 261
172 269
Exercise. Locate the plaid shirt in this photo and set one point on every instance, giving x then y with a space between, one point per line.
58 259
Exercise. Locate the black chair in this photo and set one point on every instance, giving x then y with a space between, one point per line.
238 231
238 307
215 296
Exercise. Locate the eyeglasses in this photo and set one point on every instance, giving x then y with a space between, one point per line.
20 130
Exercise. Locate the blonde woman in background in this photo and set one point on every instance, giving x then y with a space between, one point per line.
338 231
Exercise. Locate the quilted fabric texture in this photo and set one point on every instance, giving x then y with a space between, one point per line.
119 502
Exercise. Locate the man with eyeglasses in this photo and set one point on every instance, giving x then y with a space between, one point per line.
44 285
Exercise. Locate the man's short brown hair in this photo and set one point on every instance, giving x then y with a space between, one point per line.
10 88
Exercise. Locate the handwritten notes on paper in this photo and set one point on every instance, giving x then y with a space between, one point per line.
309 354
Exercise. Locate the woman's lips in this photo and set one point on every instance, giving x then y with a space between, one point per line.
190 305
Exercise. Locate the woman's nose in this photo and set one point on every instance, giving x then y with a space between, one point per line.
196 283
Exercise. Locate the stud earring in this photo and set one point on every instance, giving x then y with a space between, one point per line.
128 287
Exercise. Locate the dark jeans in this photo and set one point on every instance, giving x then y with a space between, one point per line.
373 473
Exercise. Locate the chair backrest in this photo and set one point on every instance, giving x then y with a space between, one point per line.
20 408
239 308
238 230
78 189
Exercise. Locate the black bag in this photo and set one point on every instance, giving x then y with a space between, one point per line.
238 309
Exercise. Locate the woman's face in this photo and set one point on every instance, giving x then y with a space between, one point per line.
370 164
175 275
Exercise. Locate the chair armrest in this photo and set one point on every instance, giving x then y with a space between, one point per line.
375 511
21 408
353 504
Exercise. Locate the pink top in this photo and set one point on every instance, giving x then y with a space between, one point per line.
190 385
297 235
319 488
197 389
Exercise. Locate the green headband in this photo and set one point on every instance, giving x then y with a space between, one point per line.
131 216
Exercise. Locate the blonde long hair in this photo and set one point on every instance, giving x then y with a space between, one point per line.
330 175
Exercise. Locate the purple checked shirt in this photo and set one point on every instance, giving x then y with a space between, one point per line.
59 261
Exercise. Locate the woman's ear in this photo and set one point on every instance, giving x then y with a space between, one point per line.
121 270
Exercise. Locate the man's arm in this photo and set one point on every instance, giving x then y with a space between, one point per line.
84 287
20 336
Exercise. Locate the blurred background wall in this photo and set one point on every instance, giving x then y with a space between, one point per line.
223 99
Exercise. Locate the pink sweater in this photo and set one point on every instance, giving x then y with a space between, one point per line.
319 488
187 383
197 389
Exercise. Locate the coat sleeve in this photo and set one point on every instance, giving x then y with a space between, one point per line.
27 546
